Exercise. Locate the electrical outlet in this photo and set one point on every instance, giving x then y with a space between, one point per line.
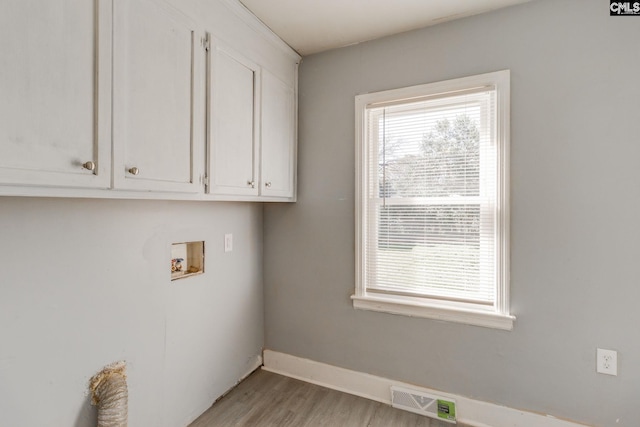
228 242
607 361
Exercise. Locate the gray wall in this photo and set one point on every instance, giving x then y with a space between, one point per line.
85 283
575 197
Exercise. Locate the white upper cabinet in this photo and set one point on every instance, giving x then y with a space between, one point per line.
278 138
158 123
234 112
54 107
252 143
128 99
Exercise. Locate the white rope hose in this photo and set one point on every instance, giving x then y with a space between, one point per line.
110 395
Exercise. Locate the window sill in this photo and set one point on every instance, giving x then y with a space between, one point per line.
432 311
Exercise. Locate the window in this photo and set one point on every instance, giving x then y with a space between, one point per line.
432 220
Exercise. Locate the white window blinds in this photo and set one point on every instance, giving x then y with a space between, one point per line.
430 210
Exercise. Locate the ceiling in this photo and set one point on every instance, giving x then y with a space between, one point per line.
311 26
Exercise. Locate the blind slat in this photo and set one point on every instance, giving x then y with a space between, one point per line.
431 185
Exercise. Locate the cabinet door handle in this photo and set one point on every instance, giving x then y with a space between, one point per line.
90 166
252 184
268 184
134 171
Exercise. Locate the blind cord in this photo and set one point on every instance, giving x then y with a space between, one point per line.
384 158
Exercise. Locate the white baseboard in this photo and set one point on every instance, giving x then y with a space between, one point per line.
472 412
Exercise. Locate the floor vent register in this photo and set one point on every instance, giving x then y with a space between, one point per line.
440 408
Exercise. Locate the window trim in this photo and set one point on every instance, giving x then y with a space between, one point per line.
497 316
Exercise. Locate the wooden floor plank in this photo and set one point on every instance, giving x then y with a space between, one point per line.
265 399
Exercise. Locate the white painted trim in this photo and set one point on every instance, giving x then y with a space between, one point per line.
469 411
86 193
260 27
404 306
497 316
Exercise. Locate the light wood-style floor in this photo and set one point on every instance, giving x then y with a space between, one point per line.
268 399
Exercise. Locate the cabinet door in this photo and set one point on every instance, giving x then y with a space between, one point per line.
278 138
157 120
233 117
54 105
